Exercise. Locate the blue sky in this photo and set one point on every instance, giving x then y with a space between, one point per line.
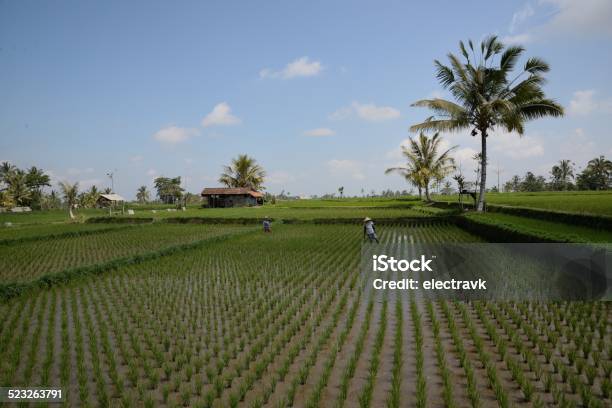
318 92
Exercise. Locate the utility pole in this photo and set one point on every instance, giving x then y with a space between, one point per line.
498 172
111 175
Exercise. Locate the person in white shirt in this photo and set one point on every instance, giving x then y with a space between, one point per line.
369 229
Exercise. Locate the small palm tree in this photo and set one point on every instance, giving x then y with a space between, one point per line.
489 94
341 191
425 163
562 173
142 195
18 188
71 193
243 172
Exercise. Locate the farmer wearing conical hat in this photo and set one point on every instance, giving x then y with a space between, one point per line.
369 229
267 225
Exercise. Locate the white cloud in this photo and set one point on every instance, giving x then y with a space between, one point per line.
136 159
174 134
584 17
301 67
369 112
319 132
188 161
151 172
520 16
584 103
578 147
220 116
346 168
514 146
341 113
517 39
375 113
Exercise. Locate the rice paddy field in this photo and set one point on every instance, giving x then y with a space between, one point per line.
236 317
583 202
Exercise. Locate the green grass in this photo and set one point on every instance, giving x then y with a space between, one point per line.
562 232
27 231
279 212
30 260
585 202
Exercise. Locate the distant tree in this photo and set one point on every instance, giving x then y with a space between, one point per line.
70 193
50 201
18 188
562 174
447 189
532 183
514 184
597 175
424 161
142 195
169 190
6 169
341 191
243 171
489 94
107 190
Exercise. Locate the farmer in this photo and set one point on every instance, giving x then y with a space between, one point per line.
369 229
267 226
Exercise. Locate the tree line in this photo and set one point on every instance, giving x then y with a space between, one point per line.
597 175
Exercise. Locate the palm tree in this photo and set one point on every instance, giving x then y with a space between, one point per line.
243 172
71 193
37 179
18 188
489 95
562 173
6 169
601 170
425 164
142 195
341 191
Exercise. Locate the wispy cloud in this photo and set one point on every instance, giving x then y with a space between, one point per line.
174 134
136 159
520 16
301 67
369 112
570 18
516 147
343 167
318 132
221 115
585 102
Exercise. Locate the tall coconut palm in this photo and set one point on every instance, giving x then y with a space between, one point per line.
142 195
425 162
71 193
243 172
489 94
562 173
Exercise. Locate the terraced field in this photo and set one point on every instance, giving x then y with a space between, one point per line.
281 320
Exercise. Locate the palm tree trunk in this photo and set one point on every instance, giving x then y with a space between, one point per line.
427 198
483 172
420 193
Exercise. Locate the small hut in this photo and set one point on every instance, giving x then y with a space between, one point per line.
112 202
220 197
